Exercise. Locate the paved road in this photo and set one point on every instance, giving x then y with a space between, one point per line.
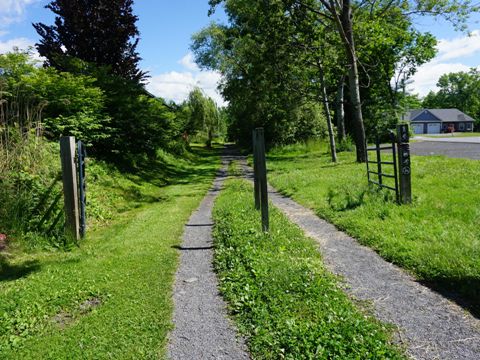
452 149
473 139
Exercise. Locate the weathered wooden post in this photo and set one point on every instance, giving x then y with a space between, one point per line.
403 141
256 185
262 175
70 196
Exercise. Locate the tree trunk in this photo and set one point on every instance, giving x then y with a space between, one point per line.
340 111
353 79
326 107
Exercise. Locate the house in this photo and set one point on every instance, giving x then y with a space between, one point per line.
436 121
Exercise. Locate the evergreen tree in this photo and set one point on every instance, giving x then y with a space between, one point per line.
103 32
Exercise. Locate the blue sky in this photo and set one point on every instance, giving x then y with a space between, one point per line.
167 25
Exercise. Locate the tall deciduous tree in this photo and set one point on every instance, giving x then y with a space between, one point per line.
459 90
342 14
265 76
103 32
204 115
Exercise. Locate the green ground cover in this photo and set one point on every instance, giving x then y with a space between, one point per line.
282 297
110 298
437 238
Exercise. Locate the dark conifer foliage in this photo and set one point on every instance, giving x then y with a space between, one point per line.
103 32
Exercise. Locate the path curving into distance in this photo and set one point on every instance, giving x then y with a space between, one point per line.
428 325
202 329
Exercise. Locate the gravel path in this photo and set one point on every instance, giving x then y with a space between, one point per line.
202 328
450 149
429 326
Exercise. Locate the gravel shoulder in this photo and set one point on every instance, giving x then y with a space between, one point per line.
202 329
428 325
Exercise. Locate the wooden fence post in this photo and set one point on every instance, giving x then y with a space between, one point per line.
70 196
256 185
262 174
403 140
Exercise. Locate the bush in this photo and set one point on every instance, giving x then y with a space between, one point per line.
53 102
30 193
346 144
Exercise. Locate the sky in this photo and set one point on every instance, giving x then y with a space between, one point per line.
166 27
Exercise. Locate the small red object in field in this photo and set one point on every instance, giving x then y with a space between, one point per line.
3 237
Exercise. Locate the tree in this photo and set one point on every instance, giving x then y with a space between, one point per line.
102 32
389 50
204 115
265 77
459 90
51 102
344 14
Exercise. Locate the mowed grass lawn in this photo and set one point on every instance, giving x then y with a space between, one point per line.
110 298
437 238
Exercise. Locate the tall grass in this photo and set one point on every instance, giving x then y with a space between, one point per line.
28 169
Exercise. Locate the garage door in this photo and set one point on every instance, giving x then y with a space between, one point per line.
418 128
434 128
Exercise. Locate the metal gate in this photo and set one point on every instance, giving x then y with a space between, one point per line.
376 176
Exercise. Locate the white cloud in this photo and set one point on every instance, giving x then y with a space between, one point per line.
427 76
177 85
12 11
21 44
458 48
188 62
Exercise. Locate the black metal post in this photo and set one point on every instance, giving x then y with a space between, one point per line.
262 173
82 154
256 185
379 160
395 166
403 139
368 163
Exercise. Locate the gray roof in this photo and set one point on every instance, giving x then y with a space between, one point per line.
445 115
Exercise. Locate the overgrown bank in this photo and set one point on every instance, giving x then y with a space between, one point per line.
436 237
281 296
111 297
121 124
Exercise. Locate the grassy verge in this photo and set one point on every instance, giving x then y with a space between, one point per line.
437 237
282 297
110 298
